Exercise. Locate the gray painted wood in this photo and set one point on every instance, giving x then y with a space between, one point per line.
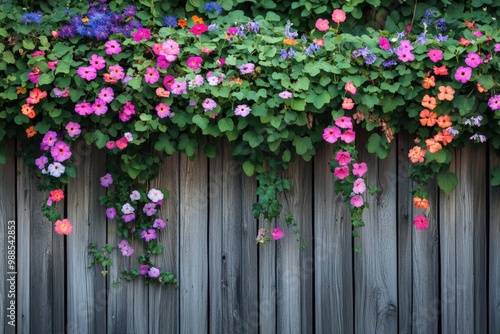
376 265
332 243
193 237
9 242
86 288
494 250
463 249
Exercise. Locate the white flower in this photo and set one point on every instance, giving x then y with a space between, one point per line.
127 209
155 195
135 195
56 169
128 136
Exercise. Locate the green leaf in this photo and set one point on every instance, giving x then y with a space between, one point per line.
248 168
28 44
495 173
302 145
486 81
270 16
369 100
298 104
377 144
8 57
447 182
226 124
45 79
201 121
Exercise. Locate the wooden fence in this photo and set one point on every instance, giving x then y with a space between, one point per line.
445 279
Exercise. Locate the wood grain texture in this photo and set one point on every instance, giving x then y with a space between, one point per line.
8 241
376 265
193 277
463 248
494 250
333 272
87 295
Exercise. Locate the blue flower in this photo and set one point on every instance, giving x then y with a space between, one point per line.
67 31
253 27
288 33
441 24
100 32
283 54
421 38
97 19
29 18
170 21
129 11
389 63
213 7
213 26
441 38
370 59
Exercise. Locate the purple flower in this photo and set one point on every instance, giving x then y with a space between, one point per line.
128 217
246 68
135 195
127 251
159 223
148 235
497 47
41 162
106 180
154 272
49 139
143 269
149 209
60 151
111 213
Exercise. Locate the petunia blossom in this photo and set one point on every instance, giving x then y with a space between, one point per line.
159 223
277 233
435 55
56 169
198 29
60 151
494 102
359 169
343 158
113 47
148 235
152 75
106 180
63 226
194 62
242 110
322 25
463 74
338 16
88 73
331 134
344 122
359 186
384 43
473 60
341 172
285 94
421 222
155 195
357 201
154 272
73 129
97 62
162 110
348 136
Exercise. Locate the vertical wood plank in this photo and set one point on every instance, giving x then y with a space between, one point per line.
463 249
42 269
494 250
9 242
294 282
193 278
333 278
267 287
86 288
376 264
418 253
164 301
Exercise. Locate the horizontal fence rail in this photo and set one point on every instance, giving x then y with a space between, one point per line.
445 279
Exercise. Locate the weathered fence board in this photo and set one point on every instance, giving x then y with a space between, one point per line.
441 280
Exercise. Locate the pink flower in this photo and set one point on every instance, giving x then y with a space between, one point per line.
463 74
60 151
170 49
231 31
198 29
357 201
97 62
420 222
110 144
341 172
435 55
83 108
194 62
116 72
331 134
344 122
343 158
494 102
277 234
153 272
63 226
73 129
162 110
359 186
359 169
497 47
178 87
350 88
111 213
49 139
148 235
209 104
61 93
38 53
106 94
113 47
405 55
52 64
152 75
384 43
338 16
285 95
41 162
99 107
246 68
159 223
143 269
122 143
242 110
162 62
88 73
348 136
140 34
473 60
348 104
322 25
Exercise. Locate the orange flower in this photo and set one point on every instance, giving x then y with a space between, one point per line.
444 121
427 118
197 19
416 154
30 132
464 41
442 70
35 96
481 88
428 102
428 82
421 203
182 23
289 41
162 92
446 93
432 145
28 110
444 137
21 90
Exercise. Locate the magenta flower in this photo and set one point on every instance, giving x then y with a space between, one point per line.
113 47
341 172
152 75
242 110
110 144
435 55
34 76
322 25
159 223
170 49
148 235
122 143
49 139
73 129
106 94
494 102
246 68
331 134
128 217
60 151
405 55
52 64
348 136
88 73
97 62
277 233
106 180
154 272
140 34
420 222
194 62
198 29
162 62
232 31
111 213
384 43
162 110
497 47
209 104
473 60
149 209
344 122
359 186
41 162
143 269
357 201
359 169
463 74
285 95
99 107
83 108
343 158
